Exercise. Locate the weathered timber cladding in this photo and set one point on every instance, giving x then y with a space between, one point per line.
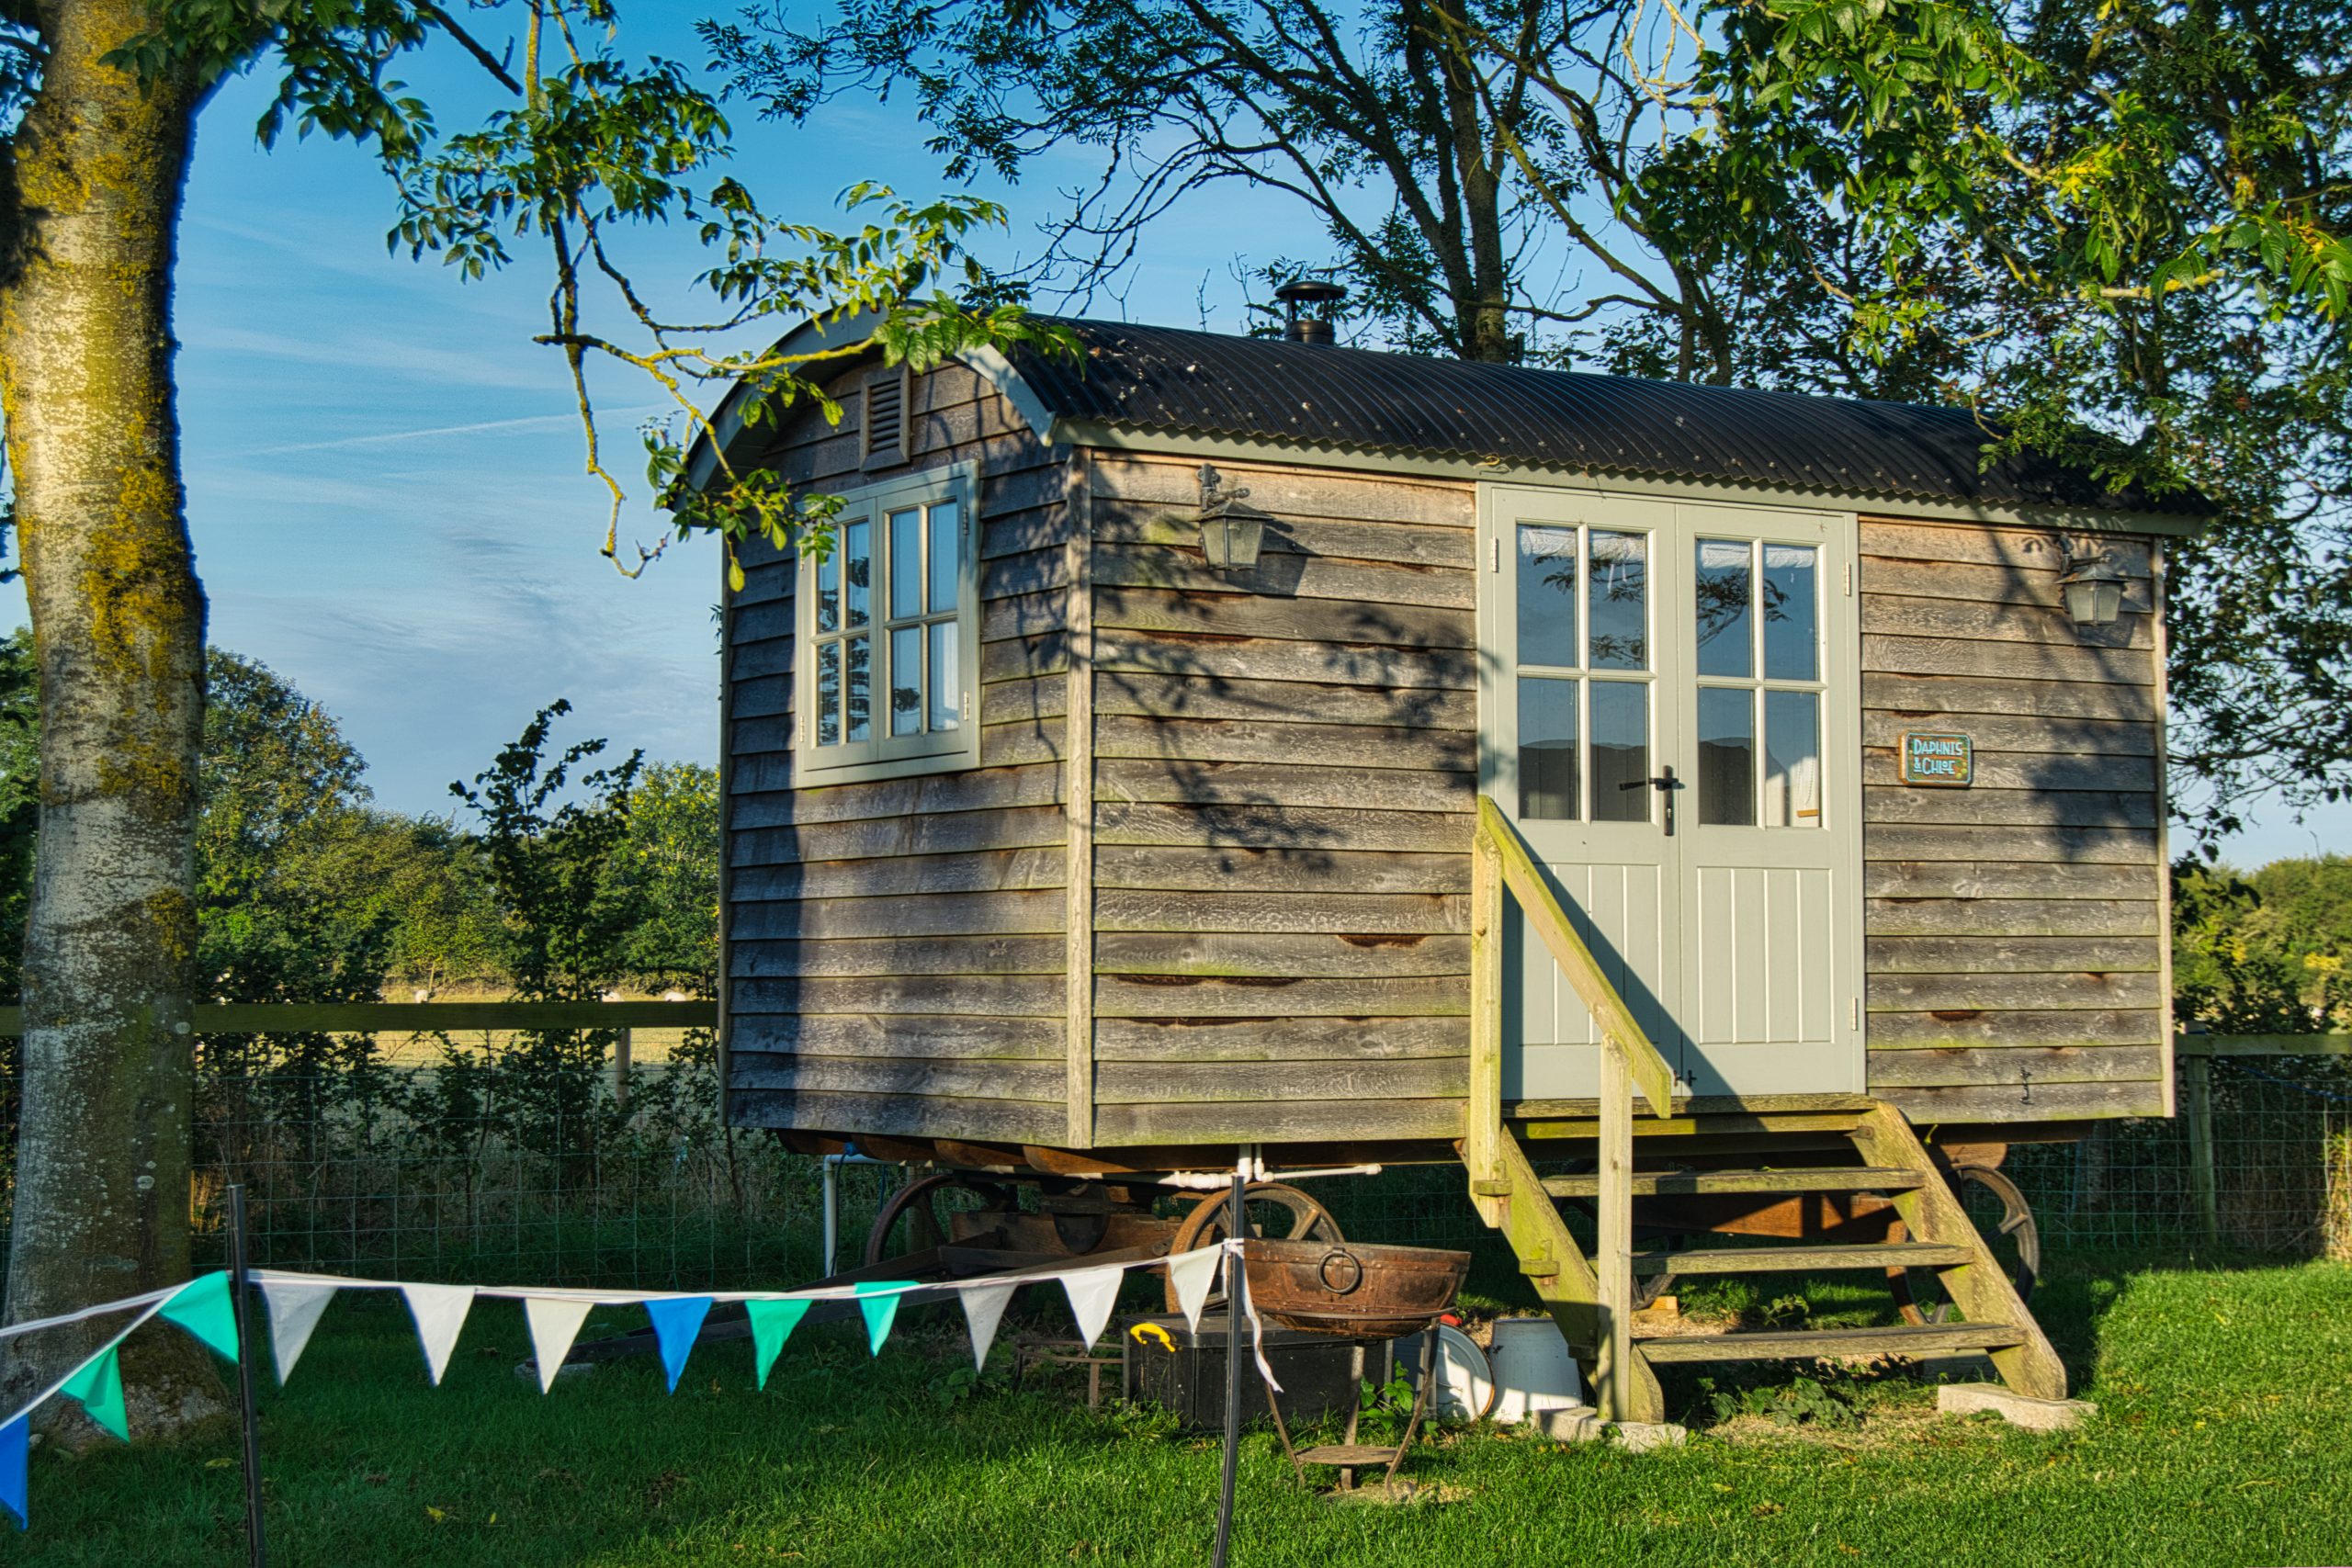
896 951
1282 798
2015 946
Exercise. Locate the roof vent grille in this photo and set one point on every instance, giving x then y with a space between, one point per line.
886 418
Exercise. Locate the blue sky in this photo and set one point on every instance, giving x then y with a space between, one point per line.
384 473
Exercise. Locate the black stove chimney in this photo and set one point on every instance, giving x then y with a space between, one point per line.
1309 307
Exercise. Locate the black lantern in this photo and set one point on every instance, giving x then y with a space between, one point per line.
1232 532
2092 585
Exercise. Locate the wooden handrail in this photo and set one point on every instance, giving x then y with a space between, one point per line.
426 1018
1547 920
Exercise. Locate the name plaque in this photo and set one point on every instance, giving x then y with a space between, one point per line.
1942 759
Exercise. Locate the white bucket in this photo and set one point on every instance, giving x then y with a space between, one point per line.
1532 1370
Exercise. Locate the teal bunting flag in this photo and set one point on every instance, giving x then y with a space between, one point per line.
676 1321
879 1303
99 1385
772 1324
202 1307
16 1452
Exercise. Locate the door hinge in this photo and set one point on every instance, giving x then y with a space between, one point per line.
1849 579
1494 555
967 707
1857 1012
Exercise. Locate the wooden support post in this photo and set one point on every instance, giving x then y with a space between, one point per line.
1483 1116
621 1044
1614 1259
2202 1186
1077 810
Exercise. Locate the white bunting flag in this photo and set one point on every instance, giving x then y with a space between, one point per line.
554 1326
1194 1274
983 1310
294 1308
1092 1293
440 1314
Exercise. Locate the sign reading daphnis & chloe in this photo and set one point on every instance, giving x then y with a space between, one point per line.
1931 757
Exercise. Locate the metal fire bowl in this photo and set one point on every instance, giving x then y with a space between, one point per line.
1350 1290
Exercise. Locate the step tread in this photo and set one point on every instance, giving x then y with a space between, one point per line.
1353 1455
1805 1343
1826 1179
1792 1259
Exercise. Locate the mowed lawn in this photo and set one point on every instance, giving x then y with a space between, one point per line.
2224 1437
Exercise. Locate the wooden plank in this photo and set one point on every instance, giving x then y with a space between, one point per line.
1079 1004
1228 954
980 789
2034 770
1930 696
1024 740
982 871
2013 661
764 696
1291 574
1218 656
1482 1127
1225 996
1933 842
2329 1044
956 914
993 996
1041 653
1997 621
1702 1184
2002 954
929 1076
423 1018
2030 1102
1987 584
1024 615
1939 993
2023 807
899 1115
1293 620
899 955
1832 1344
1987 545
1285 1122
2014 1028
1042 571
1612 1254
2164 815
2020 732
1982 879
752 659
881 1034
1286 786
1227 869
1302 745
1125 909
1279 1039
1286 491
1800 1259
1039 697
1124 523
1272 1083
946 832
2016 1066
1279 827
1012 526
1150 694
2010 917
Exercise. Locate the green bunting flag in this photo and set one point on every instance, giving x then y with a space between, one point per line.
202 1307
99 1385
880 1303
772 1324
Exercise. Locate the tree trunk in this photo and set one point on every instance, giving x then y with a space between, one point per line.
88 205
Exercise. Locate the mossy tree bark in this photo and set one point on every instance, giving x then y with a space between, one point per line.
89 197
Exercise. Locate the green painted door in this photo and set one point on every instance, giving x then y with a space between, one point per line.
1669 704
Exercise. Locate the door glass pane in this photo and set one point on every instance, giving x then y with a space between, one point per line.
1547 595
1791 759
947 682
829 593
906 681
906 564
1724 596
829 694
857 706
1547 750
1620 612
1621 750
1791 613
946 554
857 567
1726 756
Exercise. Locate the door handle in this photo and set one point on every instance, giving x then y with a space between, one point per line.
1666 783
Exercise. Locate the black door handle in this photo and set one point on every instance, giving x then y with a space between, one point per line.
1666 783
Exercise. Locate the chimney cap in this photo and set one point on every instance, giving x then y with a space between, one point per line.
1310 291
1309 305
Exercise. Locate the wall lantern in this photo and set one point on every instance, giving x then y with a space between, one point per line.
2093 585
1232 532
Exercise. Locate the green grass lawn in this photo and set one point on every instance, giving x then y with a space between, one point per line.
2222 1439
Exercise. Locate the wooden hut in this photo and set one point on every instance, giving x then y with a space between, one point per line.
1208 742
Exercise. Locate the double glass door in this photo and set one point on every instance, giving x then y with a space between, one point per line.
1667 701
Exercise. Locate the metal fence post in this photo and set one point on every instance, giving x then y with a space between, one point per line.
620 1069
2199 1071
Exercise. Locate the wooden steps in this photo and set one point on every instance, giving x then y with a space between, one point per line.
1701 1183
1798 1259
1936 1339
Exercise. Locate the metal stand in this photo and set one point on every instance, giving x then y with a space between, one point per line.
240 1278
1235 1284
1348 1455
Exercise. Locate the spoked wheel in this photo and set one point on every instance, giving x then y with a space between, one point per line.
1272 1210
920 1215
2006 1220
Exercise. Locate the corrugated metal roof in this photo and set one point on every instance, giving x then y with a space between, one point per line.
1165 379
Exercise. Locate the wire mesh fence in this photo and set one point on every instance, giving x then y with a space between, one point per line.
540 1169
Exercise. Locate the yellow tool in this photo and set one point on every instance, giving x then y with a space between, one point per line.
1145 1333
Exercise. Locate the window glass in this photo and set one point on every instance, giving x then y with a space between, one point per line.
946 555
1621 750
1618 609
1547 750
1547 595
857 708
906 681
1791 613
1791 759
829 694
1726 756
947 684
906 563
829 593
1724 589
857 570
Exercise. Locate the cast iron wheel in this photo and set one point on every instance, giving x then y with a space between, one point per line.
924 1206
1272 1210
2002 1216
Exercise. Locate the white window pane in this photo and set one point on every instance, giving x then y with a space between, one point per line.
857 570
1547 595
1620 751
1791 613
1791 759
1547 751
946 555
906 564
829 593
1724 594
829 694
1727 756
857 706
946 681
1618 601
906 681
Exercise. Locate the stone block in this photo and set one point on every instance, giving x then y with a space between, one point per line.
1640 1437
2016 1409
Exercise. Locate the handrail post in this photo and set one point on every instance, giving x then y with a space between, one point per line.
1614 1263
1482 1127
